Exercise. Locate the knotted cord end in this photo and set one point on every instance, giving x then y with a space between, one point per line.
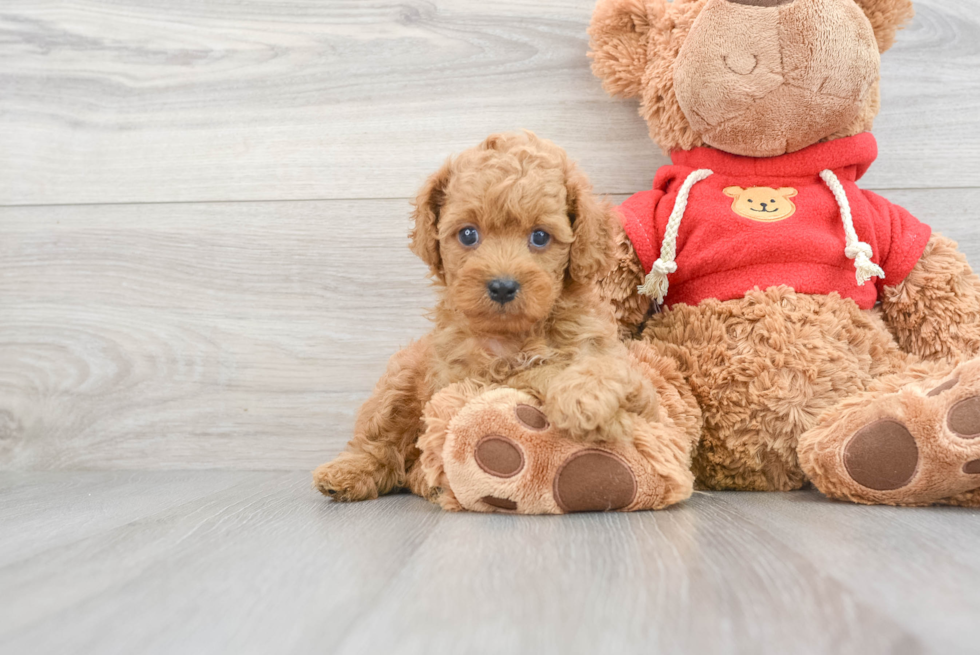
861 253
656 283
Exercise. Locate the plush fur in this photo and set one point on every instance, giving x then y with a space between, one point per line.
786 381
637 52
555 345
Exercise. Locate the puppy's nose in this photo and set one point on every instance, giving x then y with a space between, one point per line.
762 3
502 289
764 205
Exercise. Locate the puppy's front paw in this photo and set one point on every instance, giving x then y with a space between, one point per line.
589 408
347 478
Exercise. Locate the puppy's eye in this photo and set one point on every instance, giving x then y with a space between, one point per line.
750 200
540 238
773 201
469 236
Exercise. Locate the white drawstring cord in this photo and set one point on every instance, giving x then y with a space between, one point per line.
656 284
859 251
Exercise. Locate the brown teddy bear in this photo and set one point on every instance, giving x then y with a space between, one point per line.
826 333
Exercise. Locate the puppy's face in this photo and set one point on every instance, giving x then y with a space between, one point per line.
505 249
508 227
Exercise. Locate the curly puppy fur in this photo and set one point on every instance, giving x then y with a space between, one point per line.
556 339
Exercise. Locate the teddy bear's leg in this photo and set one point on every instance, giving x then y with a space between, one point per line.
935 312
498 451
914 439
501 453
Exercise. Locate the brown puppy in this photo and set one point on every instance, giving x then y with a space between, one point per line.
515 240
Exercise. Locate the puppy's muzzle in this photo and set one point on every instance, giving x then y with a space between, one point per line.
502 290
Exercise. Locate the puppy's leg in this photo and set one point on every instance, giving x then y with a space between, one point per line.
385 432
596 398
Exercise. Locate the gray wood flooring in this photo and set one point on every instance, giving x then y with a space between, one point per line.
203 217
257 562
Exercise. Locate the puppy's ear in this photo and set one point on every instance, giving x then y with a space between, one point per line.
425 233
787 192
497 141
592 222
887 17
618 39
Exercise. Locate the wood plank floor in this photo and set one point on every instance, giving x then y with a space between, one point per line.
141 327
221 335
257 562
173 100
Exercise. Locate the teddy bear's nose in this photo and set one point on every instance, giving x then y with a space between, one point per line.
762 3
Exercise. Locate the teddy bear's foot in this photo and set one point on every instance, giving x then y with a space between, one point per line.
500 453
917 446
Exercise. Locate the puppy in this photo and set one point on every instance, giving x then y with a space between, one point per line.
515 240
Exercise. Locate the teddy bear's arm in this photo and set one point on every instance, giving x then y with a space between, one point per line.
935 311
619 285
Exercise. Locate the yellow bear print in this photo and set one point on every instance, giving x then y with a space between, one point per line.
762 203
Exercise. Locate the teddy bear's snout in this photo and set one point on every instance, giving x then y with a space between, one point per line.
765 77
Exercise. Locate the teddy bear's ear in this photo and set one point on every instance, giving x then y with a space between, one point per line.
592 220
787 191
887 17
425 233
734 191
618 38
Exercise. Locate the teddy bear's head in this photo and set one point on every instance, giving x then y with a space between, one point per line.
751 77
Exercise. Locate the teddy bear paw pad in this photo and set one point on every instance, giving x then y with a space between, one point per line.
925 448
945 386
964 418
531 417
882 456
499 456
594 481
500 503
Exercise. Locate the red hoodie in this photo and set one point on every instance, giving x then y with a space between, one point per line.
762 222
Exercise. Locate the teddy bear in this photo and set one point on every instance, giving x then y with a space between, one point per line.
829 337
